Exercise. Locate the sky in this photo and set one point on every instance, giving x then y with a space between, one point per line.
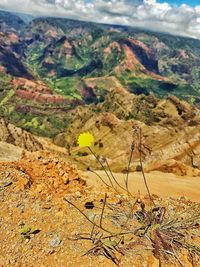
180 2
180 17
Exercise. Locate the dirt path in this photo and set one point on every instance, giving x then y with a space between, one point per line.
162 184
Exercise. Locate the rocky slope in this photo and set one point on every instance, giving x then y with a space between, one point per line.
77 76
9 152
18 137
170 131
60 78
10 22
47 65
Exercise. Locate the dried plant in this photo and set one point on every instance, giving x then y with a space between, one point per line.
131 227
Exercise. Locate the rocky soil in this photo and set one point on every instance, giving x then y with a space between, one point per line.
18 137
37 225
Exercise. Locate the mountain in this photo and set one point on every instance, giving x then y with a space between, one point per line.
61 76
10 21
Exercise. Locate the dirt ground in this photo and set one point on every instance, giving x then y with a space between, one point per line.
161 184
38 226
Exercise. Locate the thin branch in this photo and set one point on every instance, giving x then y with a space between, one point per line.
100 178
104 203
178 215
141 164
91 234
118 234
87 217
96 225
116 179
129 164
101 166
129 216
176 256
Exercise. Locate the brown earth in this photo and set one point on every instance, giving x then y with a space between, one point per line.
9 152
139 59
162 184
35 90
18 137
32 192
170 130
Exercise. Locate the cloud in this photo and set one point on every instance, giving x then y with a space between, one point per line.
149 14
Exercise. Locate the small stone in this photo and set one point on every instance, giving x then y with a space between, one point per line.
78 194
55 242
65 179
89 205
27 240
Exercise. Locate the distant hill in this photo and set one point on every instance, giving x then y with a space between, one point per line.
49 66
10 21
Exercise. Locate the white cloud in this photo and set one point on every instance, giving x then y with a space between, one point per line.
181 20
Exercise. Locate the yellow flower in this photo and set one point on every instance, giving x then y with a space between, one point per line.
85 139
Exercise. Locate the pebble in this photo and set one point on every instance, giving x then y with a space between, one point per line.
78 194
55 241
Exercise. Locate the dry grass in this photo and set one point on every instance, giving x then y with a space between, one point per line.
134 226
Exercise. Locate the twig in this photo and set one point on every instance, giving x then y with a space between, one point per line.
129 163
129 216
96 225
100 178
119 234
102 228
104 203
91 234
174 220
141 164
114 177
101 166
176 256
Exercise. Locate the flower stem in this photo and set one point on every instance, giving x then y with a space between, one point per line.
102 166
142 169
129 164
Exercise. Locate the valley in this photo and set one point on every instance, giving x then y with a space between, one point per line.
60 78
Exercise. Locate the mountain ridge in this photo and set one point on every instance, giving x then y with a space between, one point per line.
75 73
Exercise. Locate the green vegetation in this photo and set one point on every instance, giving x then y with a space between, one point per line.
68 87
7 97
64 53
48 126
196 78
145 85
29 231
5 85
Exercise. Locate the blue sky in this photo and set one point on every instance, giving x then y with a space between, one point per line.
158 15
179 2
